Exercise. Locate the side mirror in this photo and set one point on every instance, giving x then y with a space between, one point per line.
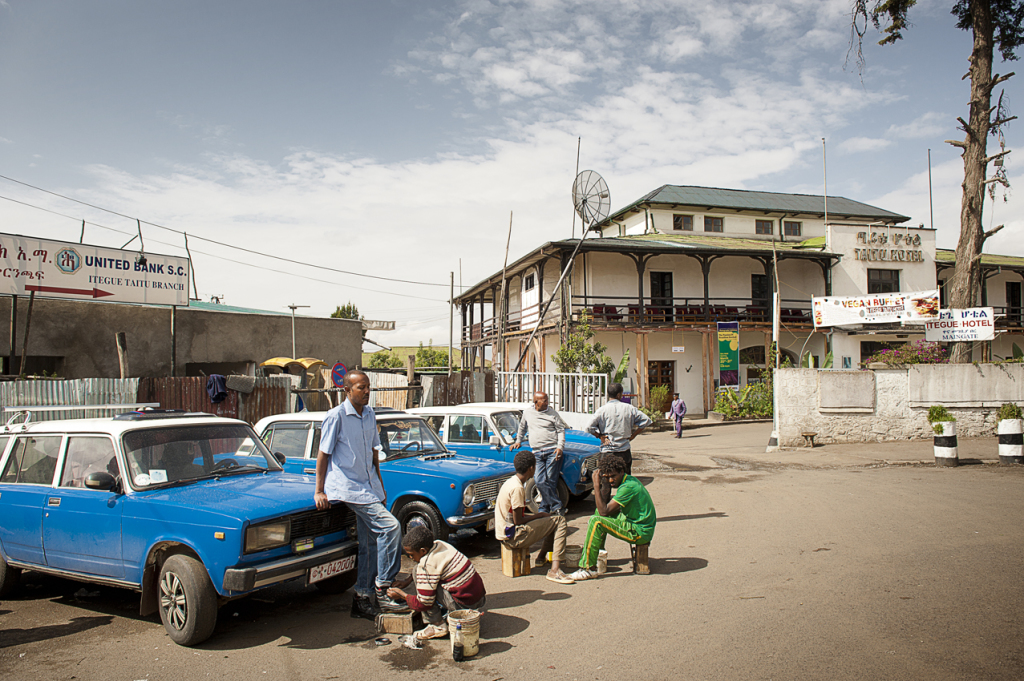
495 441
280 458
100 480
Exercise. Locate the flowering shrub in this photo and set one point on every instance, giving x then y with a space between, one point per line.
919 352
751 401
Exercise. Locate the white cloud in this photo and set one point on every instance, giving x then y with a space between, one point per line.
855 145
930 124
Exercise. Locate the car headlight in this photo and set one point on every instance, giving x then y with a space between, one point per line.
469 495
267 536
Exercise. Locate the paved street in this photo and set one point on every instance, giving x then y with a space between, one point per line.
842 562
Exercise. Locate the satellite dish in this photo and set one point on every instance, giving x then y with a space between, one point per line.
591 198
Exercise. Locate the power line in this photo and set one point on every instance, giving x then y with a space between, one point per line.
219 243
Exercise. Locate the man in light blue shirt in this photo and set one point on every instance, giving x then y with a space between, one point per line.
348 470
616 424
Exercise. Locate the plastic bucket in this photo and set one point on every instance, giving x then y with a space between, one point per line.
470 621
573 553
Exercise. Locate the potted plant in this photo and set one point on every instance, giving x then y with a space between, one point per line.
1009 431
944 427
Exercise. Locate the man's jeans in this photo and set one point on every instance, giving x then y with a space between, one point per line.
546 477
380 551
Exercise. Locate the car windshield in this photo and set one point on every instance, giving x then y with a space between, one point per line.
178 454
408 437
507 423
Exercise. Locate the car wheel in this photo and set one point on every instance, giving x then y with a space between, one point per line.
533 498
339 584
187 600
423 514
580 497
9 577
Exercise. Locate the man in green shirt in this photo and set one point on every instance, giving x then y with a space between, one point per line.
630 515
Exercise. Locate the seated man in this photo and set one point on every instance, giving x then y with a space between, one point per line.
445 580
515 528
630 516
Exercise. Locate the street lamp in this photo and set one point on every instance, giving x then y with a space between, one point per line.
294 307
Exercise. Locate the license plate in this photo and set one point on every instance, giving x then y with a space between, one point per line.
490 524
332 569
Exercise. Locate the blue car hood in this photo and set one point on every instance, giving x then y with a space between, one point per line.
456 467
581 442
253 496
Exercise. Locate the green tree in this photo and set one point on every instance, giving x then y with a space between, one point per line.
347 311
431 357
993 23
579 355
385 360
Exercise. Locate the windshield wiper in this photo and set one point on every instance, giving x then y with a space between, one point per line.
247 468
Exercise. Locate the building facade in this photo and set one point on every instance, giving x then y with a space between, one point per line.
665 269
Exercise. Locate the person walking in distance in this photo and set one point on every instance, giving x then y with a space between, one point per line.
616 424
348 470
678 410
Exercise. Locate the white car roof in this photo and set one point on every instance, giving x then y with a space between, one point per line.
111 426
471 408
316 417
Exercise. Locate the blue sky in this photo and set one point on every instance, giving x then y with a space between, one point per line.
394 137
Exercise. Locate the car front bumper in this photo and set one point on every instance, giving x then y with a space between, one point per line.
471 519
246 579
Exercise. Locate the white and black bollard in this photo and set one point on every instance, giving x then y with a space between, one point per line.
1010 441
945 444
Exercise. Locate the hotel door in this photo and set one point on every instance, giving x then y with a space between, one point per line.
662 373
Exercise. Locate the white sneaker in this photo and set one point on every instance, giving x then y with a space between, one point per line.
433 631
583 574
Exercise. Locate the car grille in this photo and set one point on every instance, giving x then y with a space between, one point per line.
591 464
318 523
487 490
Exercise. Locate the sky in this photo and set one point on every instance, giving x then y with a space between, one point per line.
397 139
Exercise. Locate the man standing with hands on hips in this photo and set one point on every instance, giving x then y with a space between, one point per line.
616 424
348 470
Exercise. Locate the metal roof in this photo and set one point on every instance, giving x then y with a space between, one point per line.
948 257
710 198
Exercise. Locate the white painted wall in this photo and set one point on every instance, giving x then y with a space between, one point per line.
850 275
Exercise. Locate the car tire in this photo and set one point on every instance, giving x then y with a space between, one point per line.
422 513
580 497
186 600
533 495
9 577
339 584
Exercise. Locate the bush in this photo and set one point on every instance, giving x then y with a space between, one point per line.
660 400
937 414
752 401
920 352
1009 411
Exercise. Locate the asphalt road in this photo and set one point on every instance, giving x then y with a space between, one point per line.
838 562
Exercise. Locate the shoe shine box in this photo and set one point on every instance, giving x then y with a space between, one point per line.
397 622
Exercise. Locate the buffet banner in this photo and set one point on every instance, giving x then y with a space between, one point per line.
880 308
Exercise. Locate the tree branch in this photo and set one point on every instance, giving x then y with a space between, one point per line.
990 232
1000 121
995 156
995 179
999 79
957 143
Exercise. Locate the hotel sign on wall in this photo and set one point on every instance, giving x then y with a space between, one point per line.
972 324
888 246
881 308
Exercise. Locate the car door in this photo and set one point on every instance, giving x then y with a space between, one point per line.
81 526
25 486
291 438
468 435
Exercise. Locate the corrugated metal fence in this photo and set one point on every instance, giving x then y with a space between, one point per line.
271 395
37 393
459 388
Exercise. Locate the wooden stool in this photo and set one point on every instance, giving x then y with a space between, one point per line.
641 565
397 622
515 562
809 438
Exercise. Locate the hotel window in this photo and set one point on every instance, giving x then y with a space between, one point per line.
793 228
883 281
713 224
530 282
682 222
764 227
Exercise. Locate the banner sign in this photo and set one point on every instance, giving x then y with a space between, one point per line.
880 308
58 269
729 354
972 324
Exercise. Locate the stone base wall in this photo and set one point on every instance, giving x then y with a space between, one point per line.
892 404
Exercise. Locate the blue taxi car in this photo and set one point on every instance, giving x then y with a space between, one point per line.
488 429
191 510
426 484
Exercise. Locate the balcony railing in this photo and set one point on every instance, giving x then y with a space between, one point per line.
622 310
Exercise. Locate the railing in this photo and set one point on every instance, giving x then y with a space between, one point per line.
612 310
1009 317
582 393
517 320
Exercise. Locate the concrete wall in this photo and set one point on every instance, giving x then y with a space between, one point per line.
83 334
850 275
892 404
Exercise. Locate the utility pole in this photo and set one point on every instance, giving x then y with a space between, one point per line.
451 322
294 307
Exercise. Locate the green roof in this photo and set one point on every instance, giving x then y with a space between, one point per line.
945 255
711 198
217 307
701 241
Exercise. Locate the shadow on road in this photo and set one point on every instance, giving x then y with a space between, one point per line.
15 637
659 566
698 516
514 599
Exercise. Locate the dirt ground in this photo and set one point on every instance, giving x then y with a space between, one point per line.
840 562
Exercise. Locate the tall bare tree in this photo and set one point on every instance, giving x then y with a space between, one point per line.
993 23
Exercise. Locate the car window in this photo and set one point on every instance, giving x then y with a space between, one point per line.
315 449
87 455
436 423
408 437
507 423
467 429
33 460
289 439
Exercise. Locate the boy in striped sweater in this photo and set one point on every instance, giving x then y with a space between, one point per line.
445 580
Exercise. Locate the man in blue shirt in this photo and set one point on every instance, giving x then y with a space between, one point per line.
348 470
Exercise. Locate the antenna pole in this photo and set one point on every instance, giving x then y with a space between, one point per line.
579 141
931 210
500 306
824 177
451 318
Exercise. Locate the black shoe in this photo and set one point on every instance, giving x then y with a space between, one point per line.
388 604
362 606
